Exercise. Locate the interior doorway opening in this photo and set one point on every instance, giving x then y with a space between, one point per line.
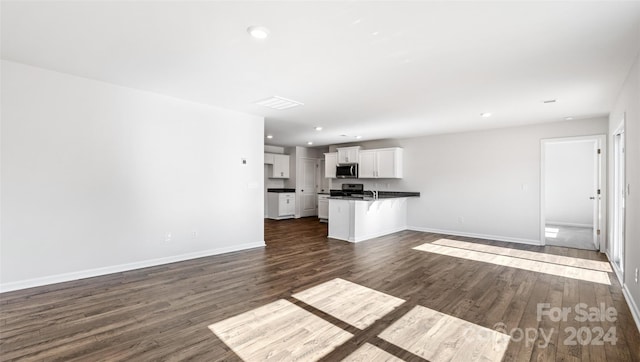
572 195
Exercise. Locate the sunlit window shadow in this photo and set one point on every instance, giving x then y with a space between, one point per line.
519 263
350 302
437 336
283 331
279 331
530 255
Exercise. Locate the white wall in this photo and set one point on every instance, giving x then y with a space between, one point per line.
569 182
483 184
94 176
628 107
273 149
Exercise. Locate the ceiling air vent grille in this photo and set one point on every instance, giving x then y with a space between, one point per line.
279 103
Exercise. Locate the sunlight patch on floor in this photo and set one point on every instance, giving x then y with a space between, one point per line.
279 331
531 255
440 337
525 264
349 302
551 232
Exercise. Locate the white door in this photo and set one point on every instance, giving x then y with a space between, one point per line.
322 182
307 192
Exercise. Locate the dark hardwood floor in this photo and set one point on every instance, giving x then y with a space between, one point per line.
163 312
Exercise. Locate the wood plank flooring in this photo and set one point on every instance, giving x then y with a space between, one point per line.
164 312
352 303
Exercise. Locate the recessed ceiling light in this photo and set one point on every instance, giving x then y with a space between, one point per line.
269 136
568 118
309 143
550 101
279 103
358 137
485 115
375 33
318 128
258 32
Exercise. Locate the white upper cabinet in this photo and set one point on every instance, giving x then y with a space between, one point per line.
367 166
389 163
268 158
381 163
348 154
280 166
330 163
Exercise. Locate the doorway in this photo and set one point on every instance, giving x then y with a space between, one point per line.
571 192
307 193
616 249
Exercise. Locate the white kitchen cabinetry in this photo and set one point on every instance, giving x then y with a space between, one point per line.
367 166
280 166
282 205
381 163
348 154
358 220
330 163
323 207
268 158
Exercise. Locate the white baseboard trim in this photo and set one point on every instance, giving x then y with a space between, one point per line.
549 222
370 236
478 236
635 312
615 268
89 273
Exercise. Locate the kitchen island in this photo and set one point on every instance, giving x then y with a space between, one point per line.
356 219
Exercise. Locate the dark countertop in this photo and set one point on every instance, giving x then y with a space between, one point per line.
382 195
281 190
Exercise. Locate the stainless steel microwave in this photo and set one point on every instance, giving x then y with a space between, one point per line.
347 171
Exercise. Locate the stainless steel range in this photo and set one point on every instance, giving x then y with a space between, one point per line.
353 190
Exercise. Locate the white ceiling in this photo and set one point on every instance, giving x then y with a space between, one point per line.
373 69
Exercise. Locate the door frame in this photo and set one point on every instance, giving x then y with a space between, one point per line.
601 161
617 219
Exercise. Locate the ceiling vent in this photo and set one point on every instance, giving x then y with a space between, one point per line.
279 103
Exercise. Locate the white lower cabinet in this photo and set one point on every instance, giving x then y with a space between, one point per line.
281 205
323 207
358 220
